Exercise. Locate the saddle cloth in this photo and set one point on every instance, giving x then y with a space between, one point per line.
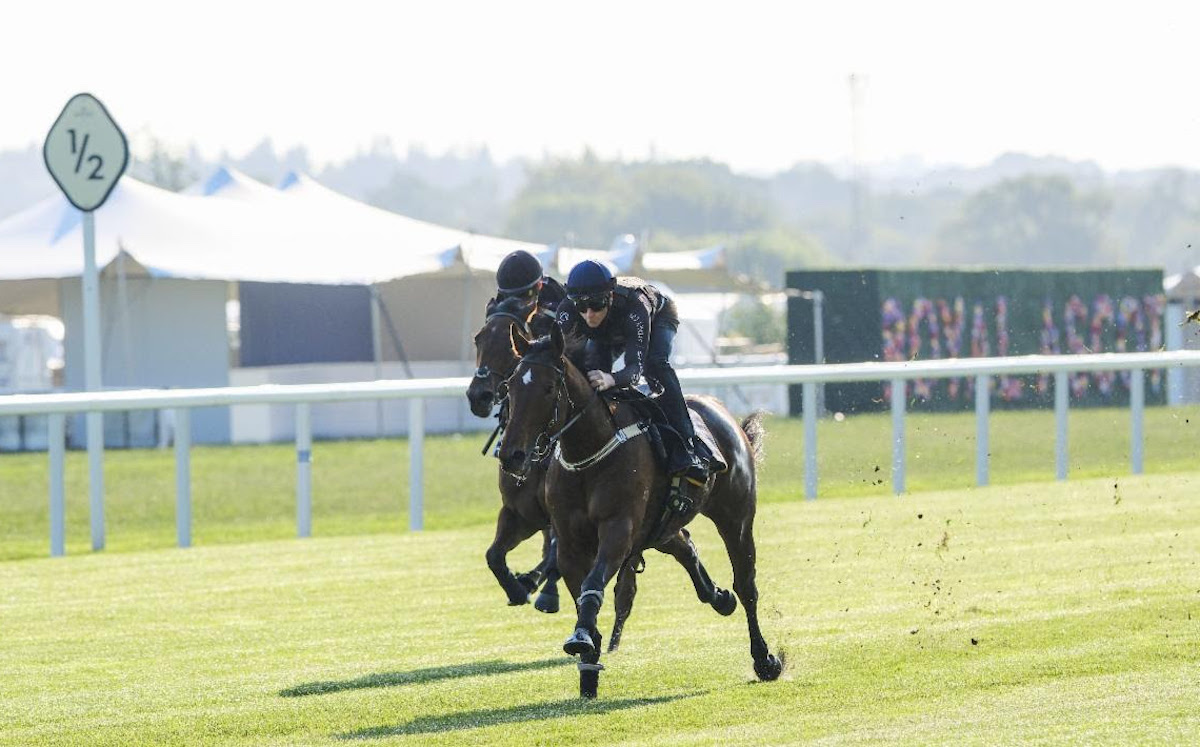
705 440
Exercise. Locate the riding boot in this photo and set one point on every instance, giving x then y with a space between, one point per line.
684 460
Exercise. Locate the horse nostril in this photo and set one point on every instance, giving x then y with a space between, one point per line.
480 401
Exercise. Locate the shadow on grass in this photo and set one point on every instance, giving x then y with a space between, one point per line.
418 676
513 715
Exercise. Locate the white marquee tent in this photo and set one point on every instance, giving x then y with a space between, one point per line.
171 261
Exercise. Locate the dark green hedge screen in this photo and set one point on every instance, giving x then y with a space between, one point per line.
872 315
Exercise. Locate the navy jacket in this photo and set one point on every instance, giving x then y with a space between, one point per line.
636 307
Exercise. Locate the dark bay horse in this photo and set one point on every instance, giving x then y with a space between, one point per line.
606 491
523 510
522 500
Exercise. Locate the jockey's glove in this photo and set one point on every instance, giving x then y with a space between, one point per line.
601 380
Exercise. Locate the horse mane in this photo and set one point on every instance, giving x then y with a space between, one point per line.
573 344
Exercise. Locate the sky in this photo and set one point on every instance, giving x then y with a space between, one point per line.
757 85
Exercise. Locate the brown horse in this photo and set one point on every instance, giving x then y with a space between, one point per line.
522 500
606 492
523 509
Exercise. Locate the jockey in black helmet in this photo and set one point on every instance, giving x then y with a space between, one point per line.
628 315
520 274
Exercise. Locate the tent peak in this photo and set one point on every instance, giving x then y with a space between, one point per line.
226 179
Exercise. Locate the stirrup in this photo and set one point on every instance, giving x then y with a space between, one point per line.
678 501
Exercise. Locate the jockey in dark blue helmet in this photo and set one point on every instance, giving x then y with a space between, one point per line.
628 315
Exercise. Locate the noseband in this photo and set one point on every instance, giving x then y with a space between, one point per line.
498 380
499 390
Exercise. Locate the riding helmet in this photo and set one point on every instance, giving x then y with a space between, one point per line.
589 279
518 272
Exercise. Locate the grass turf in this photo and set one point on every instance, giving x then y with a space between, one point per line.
1052 613
247 493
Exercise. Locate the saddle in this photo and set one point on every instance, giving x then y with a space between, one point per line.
649 412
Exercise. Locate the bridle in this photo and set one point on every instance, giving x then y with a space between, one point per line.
544 442
499 381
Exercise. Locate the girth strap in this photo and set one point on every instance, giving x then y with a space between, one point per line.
620 437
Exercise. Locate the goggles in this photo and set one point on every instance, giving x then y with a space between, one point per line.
591 303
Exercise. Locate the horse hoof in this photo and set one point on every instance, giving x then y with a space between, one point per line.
547 603
528 581
725 602
579 644
768 669
516 599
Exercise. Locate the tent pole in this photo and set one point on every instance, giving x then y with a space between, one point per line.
464 353
377 354
395 337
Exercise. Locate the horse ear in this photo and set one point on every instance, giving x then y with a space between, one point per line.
556 337
519 344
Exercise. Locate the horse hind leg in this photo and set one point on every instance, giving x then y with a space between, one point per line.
739 542
681 547
547 600
544 574
624 590
532 578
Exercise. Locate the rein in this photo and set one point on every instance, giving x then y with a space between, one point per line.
540 450
618 438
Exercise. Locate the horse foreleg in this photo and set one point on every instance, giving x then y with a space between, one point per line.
624 591
681 547
739 542
615 543
510 532
547 600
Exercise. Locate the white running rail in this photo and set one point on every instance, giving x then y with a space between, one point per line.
57 406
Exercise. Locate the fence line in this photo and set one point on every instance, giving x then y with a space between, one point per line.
810 377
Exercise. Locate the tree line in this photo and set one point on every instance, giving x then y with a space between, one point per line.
1018 211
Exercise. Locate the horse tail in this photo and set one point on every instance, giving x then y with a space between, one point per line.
756 433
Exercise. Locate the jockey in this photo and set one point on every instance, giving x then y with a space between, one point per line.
628 315
520 274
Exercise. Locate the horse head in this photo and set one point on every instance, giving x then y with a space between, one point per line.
538 399
494 355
